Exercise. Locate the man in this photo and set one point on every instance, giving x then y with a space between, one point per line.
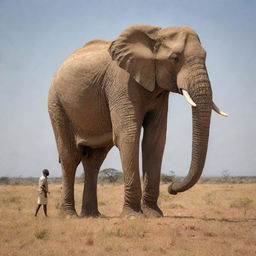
43 191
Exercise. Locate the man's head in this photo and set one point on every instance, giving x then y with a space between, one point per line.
45 172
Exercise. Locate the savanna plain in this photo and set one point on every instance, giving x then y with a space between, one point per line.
209 219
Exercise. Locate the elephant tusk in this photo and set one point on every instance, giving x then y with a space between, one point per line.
188 98
217 110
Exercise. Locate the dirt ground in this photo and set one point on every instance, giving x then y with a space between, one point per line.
209 219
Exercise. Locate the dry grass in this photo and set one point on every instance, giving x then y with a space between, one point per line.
208 220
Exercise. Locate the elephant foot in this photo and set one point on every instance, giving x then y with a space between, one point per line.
67 212
92 213
131 213
152 211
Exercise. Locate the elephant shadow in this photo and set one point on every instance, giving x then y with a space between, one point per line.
211 219
207 219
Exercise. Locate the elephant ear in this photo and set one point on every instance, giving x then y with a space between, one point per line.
133 51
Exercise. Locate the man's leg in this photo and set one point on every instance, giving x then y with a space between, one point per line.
37 209
45 210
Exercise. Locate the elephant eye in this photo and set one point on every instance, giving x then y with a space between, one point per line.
174 58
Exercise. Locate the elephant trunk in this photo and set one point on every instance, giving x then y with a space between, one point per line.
200 91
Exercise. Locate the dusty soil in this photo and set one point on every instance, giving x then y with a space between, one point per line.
207 220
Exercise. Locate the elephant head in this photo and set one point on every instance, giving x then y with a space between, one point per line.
174 60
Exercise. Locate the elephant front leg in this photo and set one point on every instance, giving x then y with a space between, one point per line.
129 152
152 152
126 125
152 158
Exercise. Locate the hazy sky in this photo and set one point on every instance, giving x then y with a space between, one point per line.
36 36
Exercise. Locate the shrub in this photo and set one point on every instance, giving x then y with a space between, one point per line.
242 203
12 199
43 234
4 180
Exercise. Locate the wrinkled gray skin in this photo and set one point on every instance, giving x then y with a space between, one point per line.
105 92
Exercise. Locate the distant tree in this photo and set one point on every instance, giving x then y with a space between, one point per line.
225 174
81 176
110 175
172 173
168 178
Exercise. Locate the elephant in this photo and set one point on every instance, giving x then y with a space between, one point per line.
106 92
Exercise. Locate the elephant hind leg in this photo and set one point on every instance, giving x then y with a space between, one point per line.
69 164
92 160
69 155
